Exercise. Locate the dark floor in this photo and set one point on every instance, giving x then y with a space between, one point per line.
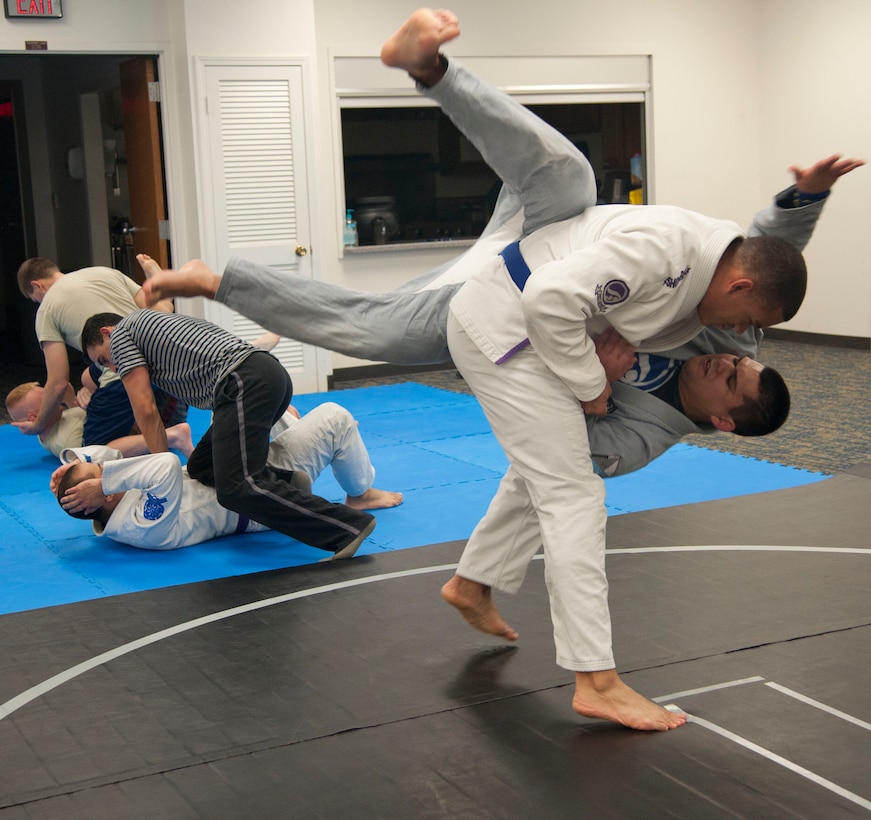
352 690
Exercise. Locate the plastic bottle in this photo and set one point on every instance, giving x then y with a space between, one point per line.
349 234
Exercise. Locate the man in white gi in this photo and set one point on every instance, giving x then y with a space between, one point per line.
518 333
150 502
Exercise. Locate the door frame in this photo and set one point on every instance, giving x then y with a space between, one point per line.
175 155
205 190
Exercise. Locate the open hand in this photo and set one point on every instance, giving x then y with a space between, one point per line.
823 174
85 497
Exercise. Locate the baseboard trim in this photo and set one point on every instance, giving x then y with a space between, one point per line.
379 371
822 339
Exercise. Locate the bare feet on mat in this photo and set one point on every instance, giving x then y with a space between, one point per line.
475 605
604 696
415 46
194 278
374 499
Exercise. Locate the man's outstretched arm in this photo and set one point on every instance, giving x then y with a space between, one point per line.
793 213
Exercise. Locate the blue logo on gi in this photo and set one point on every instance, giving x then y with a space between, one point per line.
153 507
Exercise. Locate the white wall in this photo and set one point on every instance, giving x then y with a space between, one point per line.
814 101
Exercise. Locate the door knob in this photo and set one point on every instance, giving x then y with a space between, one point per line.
301 250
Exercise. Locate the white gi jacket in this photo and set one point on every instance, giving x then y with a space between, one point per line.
163 508
638 269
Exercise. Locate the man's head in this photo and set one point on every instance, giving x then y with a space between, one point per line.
759 282
77 473
734 394
35 276
95 338
23 401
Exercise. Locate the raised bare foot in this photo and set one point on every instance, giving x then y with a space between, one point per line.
178 437
194 278
475 605
374 499
604 696
148 265
415 46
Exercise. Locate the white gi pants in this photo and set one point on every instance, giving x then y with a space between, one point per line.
549 497
327 436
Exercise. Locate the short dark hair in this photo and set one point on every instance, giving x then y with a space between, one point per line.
778 269
91 334
759 417
72 478
37 267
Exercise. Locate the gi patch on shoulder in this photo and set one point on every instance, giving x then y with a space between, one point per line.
611 293
154 507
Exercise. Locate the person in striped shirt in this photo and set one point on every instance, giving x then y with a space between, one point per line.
247 391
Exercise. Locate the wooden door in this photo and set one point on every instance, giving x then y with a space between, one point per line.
140 110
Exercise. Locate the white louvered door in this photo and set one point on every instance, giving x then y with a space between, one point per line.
255 185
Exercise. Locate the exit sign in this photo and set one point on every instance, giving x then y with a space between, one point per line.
34 8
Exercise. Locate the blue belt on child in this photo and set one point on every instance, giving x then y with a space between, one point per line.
516 265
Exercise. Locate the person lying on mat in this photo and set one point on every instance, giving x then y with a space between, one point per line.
150 502
66 425
247 390
581 620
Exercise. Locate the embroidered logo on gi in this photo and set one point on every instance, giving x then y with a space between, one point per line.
611 293
154 507
674 281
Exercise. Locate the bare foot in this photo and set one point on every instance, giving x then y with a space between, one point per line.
194 278
178 437
374 499
148 265
473 601
604 696
415 47
267 341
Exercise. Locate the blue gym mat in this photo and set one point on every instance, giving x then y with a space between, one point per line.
433 445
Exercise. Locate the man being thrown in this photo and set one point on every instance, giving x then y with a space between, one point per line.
415 48
248 390
150 502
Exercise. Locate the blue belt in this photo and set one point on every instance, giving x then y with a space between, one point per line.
242 525
518 270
